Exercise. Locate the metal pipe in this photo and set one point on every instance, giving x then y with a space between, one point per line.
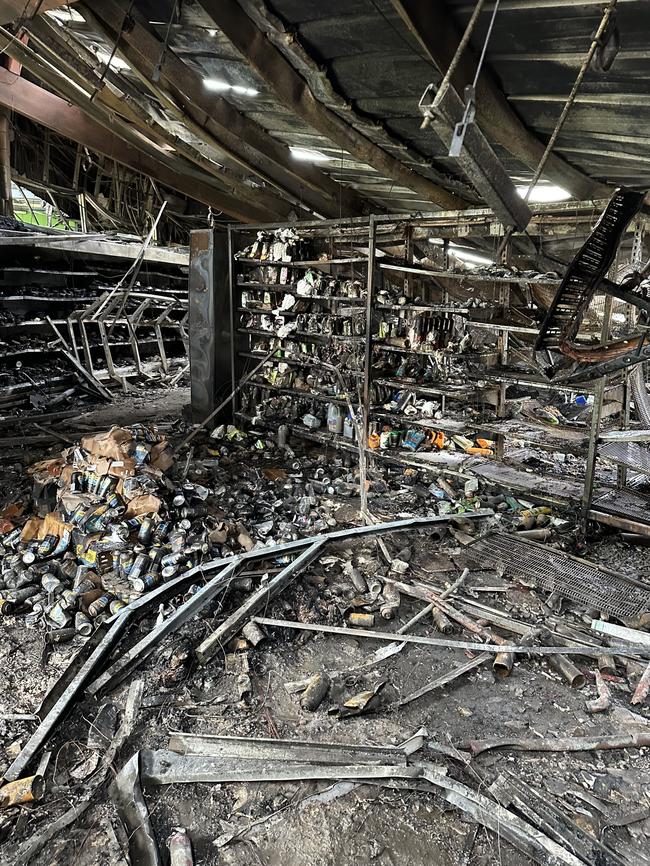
504 661
21 791
566 668
451 69
642 688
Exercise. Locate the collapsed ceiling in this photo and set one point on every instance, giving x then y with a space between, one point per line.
270 111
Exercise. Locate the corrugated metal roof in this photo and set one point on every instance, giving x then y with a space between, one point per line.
373 62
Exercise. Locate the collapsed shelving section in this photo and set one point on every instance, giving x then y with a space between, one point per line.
64 324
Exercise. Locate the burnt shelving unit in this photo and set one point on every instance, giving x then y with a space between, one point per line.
455 342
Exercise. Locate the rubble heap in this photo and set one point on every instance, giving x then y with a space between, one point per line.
107 525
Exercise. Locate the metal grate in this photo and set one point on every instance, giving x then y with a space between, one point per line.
551 570
629 454
624 503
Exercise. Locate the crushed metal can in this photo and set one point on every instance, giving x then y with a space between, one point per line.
317 688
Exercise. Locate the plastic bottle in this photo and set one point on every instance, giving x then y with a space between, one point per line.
348 428
334 419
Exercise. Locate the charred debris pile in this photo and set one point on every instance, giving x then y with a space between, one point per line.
162 579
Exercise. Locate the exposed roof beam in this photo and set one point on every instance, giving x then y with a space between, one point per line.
73 59
56 114
293 91
618 155
79 93
636 100
15 10
211 115
529 5
564 58
432 25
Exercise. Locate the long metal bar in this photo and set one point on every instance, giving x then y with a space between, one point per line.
131 660
367 367
596 417
451 643
234 303
215 642
161 767
256 749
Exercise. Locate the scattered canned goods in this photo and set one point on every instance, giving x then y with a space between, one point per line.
160 532
58 615
51 583
61 635
316 691
100 605
28 557
12 539
106 484
36 601
194 511
85 585
361 620
25 579
178 500
7 607
82 623
20 596
47 545
147 581
116 606
125 563
78 514
146 528
172 559
156 554
69 599
140 453
62 544
176 540
140 563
